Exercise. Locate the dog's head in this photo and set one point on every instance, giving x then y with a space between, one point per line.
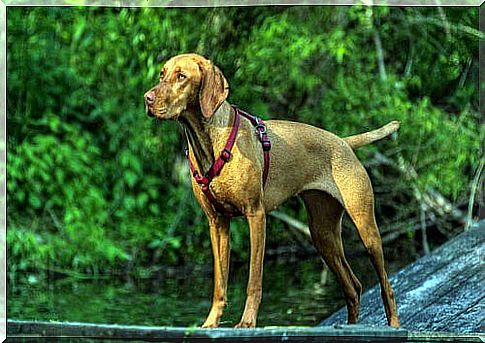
190 82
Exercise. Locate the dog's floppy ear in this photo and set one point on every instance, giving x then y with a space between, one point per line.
214 89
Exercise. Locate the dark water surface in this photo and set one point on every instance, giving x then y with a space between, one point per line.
292 295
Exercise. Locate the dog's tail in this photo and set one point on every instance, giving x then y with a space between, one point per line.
362 139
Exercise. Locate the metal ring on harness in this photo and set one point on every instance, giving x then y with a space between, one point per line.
261 129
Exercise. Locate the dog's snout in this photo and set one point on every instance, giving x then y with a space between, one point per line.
150 97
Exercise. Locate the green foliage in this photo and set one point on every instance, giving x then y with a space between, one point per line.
93 184
57 175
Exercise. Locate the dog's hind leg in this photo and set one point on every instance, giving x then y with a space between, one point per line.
325 216
356 191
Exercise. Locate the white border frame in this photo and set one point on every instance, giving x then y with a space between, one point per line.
157 3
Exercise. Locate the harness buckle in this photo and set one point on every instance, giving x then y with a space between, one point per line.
226 155
200 179
266 145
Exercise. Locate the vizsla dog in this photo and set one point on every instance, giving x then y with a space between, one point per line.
303 160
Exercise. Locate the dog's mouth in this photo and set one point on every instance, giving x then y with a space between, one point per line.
156 113
150 113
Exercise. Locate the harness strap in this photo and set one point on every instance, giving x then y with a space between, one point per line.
225 156
260 127
215 169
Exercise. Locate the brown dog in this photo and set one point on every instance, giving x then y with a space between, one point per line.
307 161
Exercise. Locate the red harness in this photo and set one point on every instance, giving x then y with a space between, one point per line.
225 156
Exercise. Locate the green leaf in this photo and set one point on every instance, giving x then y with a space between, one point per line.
35 201
131 178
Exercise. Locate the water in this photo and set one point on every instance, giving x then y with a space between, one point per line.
292 295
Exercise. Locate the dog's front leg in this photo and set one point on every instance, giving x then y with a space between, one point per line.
219 232
257 230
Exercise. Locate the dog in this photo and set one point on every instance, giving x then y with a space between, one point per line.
302 160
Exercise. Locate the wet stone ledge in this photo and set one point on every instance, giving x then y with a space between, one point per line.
443 291
29 330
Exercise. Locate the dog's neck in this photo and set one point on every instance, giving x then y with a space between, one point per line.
204 135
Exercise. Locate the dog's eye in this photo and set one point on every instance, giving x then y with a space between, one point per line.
181 77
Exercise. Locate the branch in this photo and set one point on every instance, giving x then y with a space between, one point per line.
55 219
380 55
292 222
430 198
474 186
424 235
454 26
442 14
379 50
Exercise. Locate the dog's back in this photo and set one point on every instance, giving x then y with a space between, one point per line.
314 155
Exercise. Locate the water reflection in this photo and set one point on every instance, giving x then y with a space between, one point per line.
292 295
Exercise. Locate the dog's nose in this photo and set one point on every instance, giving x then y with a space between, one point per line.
150 97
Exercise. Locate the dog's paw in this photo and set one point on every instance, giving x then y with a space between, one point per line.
209 325
245 324
394 322
213 319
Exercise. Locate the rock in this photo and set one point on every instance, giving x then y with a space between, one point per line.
441 292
